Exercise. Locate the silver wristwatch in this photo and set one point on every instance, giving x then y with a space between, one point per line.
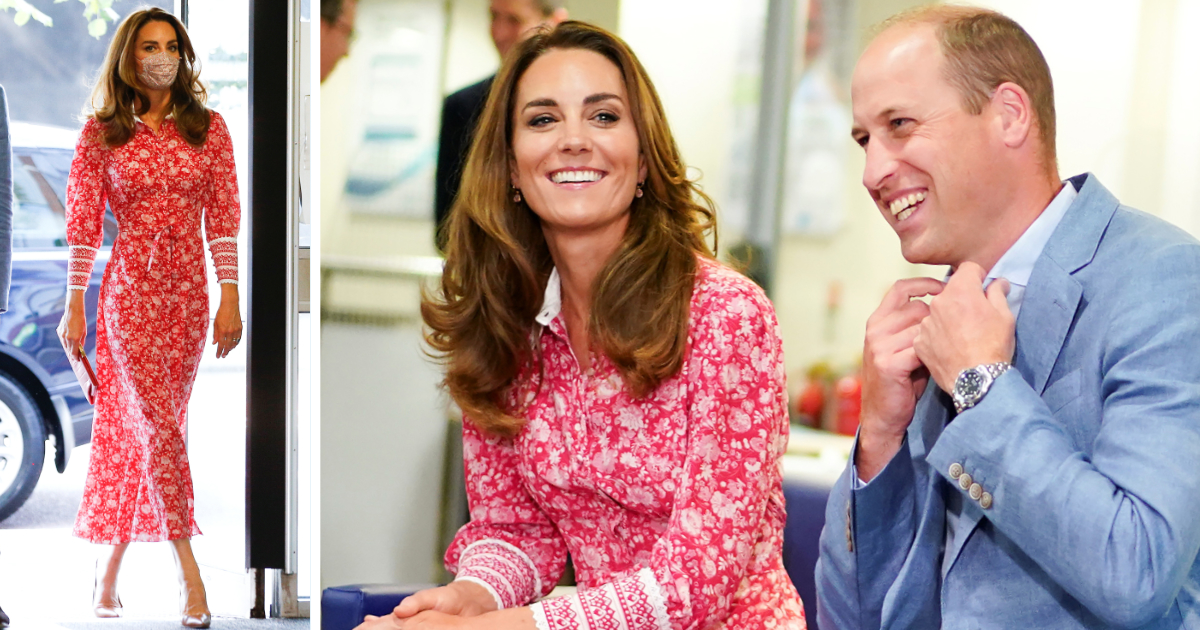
973 383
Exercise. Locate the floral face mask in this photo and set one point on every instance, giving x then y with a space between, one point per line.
158 70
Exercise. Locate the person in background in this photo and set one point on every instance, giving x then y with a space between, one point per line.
337 32
6 210
1027 456
163 161
623 392
511 21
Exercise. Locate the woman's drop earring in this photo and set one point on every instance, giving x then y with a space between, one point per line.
638 193
517 195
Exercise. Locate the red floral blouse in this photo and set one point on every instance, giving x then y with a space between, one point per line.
671 505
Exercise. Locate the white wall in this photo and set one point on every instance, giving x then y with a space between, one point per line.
1181 171
383 433
470 54
688 49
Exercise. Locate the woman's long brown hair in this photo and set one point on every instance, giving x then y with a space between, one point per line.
497 261
118 96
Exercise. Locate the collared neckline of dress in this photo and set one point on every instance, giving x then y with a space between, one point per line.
157 134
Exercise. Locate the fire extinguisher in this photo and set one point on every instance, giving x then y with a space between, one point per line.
848 396
811 403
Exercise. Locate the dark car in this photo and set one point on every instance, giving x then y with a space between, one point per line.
40 400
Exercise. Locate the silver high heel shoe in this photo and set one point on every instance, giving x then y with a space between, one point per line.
104 610
190 618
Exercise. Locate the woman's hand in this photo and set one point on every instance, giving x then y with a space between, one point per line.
72 328
461 597
511 619
227 325
386 622
433 620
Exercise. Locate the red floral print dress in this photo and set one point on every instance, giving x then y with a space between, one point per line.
671 506
153 316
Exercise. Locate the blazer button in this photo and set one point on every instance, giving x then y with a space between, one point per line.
985 501
976 492
956 471
964 481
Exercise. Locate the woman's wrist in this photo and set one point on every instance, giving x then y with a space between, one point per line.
477 594
509 619
229 293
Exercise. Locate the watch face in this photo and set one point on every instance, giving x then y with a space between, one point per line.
970 385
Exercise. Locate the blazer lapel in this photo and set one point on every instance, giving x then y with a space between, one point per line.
1053 295
1051 300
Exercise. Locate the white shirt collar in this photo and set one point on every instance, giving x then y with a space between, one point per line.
552 303
1016 265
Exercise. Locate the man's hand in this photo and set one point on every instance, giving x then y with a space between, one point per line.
966 327
893 377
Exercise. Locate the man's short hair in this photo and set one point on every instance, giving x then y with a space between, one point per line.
331 10
983 49
548 7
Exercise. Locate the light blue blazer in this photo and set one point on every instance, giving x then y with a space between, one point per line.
1089 451
6 203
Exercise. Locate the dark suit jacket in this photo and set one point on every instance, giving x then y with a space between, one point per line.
6 203
460 113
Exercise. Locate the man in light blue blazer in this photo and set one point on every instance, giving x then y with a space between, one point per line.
1029 451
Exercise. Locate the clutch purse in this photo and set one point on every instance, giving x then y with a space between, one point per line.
83 372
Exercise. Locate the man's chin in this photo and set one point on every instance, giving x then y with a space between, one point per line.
917 255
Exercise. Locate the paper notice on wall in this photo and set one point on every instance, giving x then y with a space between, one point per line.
394 153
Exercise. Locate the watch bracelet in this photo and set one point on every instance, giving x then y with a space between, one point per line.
994 370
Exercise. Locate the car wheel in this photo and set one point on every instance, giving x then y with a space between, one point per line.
22 446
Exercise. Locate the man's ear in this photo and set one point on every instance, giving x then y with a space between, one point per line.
559 16
1014 111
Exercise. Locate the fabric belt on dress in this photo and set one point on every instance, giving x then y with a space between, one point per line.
166 234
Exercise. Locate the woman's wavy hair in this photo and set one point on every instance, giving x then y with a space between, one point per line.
498 263
118 95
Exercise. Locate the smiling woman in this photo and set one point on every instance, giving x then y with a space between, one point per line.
623 392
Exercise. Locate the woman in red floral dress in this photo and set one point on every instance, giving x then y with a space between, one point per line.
164 163
623 392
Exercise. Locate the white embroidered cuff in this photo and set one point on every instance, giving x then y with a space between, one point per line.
539 616
511 574
634 603
79 266
225 258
